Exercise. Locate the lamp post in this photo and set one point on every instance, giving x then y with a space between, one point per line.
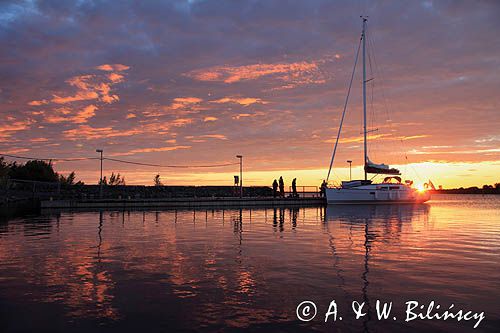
350 173
241 174
100 179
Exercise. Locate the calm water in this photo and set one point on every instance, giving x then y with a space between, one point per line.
231 270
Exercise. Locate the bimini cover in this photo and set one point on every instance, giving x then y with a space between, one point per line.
388 179
383 169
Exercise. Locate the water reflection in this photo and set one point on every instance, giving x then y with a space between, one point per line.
241 268
99 234
362 217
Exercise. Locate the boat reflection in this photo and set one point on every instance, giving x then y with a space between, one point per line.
370 219
356 213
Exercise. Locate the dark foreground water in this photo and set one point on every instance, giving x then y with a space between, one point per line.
248 270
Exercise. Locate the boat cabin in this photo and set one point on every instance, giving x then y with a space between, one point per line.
355 183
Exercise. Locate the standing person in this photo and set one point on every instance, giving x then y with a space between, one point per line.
322 189
275 188
294 188
282 187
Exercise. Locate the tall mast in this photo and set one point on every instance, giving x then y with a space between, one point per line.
363 36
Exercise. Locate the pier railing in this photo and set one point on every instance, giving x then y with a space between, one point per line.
34 187
304 192
13 189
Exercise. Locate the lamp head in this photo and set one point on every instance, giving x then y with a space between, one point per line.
98 150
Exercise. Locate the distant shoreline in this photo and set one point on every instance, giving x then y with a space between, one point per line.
467 191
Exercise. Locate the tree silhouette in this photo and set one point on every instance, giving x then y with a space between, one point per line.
115 179
70 180
157 180
4 168
34 170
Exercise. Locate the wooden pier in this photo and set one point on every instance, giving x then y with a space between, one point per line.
182 202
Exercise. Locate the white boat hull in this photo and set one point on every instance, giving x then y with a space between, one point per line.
376 193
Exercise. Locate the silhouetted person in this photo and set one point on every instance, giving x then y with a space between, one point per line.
275 188
294 188
282 187
322 189
294 212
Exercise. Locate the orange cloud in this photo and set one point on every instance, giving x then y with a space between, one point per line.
55 119
247 115
293 73
104 90
436 147
11 126
88 133
115 78
412 137
15 126
488 139
113 67
182 121
454 151
86 113
60 115
38 103
156 128
130 116
16 150
202 138
376 136
206 119
65 114
179 106
39 140
80 96
355 138
182 102
150 150
90 87
242 115
214 136
245 101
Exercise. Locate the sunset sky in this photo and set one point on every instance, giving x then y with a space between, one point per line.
198 82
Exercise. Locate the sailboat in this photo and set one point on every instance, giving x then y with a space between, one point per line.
391 189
